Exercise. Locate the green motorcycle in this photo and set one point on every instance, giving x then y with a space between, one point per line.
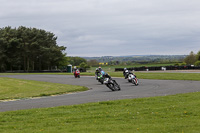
100 77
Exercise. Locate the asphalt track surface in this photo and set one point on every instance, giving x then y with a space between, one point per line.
98 92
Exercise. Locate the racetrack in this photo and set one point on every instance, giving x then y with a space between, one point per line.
98 92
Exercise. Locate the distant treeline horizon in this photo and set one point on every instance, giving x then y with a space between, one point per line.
131 55
139 58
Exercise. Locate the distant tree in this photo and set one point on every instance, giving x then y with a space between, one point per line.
190 59
183 64
128 62
63 63
197 63
27 49
117 62
76 61
111 62
176 64
93 63
180 64
83 65
198 56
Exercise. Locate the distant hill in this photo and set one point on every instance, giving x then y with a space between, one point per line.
139 58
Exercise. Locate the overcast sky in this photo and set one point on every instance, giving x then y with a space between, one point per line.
111 27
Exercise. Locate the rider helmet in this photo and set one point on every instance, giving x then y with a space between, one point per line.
100 69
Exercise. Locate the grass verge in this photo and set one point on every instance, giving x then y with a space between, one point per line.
140 75
11 88
169 76
157 75
176 113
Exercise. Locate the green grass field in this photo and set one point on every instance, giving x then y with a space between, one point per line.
11 88
166 114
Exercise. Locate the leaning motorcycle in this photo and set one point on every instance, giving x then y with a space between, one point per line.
77 74
132 78
112 84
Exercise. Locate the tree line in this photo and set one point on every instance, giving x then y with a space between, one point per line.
78 61
29 49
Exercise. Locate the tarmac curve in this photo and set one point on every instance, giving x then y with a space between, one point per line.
98 92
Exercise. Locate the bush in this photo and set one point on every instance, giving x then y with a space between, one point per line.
180 64
177 64
183 64
197 63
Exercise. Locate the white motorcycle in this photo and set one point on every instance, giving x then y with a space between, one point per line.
132 78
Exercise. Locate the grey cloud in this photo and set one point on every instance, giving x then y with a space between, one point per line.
114 27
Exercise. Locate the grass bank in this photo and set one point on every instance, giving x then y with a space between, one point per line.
11 88
140 75
169 76
175 114
157 75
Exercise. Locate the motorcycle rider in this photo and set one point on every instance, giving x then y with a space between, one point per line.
126 72
99 71
76 71
107 76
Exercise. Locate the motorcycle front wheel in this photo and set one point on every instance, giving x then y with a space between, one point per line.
110 86
135 81
116 86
